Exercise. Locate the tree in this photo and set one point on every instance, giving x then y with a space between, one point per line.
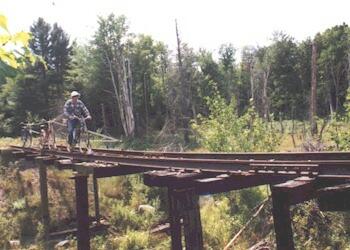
313 97
227 64
14 51
111 40
333 64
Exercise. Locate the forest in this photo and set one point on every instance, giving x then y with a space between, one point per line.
286 96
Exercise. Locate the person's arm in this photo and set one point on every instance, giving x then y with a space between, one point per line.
65 110
86 111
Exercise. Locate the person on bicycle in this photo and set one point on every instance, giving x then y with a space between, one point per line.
74 110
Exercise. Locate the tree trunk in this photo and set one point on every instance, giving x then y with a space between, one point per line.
265 97
184 91
123 91
313 100
252 87
146 100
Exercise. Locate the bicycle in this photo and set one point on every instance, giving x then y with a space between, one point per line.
47 135
26 134
80 135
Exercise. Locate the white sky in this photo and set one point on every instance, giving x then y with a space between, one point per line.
202 24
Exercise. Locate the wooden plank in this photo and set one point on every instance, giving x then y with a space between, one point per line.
191 220
298 190
64 164
336 198
284 167
96 199
175 219
236 182
45 215
283 196
174 179
82 206
282 220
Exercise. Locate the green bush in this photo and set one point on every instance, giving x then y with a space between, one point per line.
134 240
225 131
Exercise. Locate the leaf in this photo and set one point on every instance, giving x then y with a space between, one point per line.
22 37
3 22
10 59
4 39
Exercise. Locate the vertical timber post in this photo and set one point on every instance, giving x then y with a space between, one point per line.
192 220
174 220
282 220
96 199
82 205
44 198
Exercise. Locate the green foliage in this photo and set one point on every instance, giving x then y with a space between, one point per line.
218 224
134 240
338 130
319 230
225 131
14 51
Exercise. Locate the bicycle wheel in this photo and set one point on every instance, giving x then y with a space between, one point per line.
24 139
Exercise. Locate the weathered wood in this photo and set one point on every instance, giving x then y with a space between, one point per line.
174 179
284 167
336 198
282 221
226 183
64 164
82 206
298 190
19 154
96 199
174 220
45 215
191 220
283 196
93 229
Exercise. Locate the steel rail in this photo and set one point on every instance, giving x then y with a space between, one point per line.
273 156
330 167
322 155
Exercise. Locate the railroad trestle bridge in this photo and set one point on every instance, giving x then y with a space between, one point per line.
294 177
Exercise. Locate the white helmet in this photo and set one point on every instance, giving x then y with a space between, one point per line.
74 93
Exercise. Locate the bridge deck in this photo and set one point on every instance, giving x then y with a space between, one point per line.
293 177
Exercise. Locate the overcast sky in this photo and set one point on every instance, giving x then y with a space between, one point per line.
202 24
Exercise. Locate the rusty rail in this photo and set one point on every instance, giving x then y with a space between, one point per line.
293 177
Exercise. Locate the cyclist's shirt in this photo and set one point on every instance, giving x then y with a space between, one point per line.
79 109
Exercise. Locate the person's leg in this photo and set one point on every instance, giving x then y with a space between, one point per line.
71 127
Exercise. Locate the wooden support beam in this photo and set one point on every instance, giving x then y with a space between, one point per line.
102 170
31 156
6 156
18 154
296 167
175 220
336 198
191 220
82 206
183 203
282 221
64 164
96 199
174 179
45 214
298 190
226 183
283 196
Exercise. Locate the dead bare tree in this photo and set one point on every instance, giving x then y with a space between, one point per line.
313 96
122 86
184 90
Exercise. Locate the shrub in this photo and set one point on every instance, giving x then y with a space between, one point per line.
225 131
